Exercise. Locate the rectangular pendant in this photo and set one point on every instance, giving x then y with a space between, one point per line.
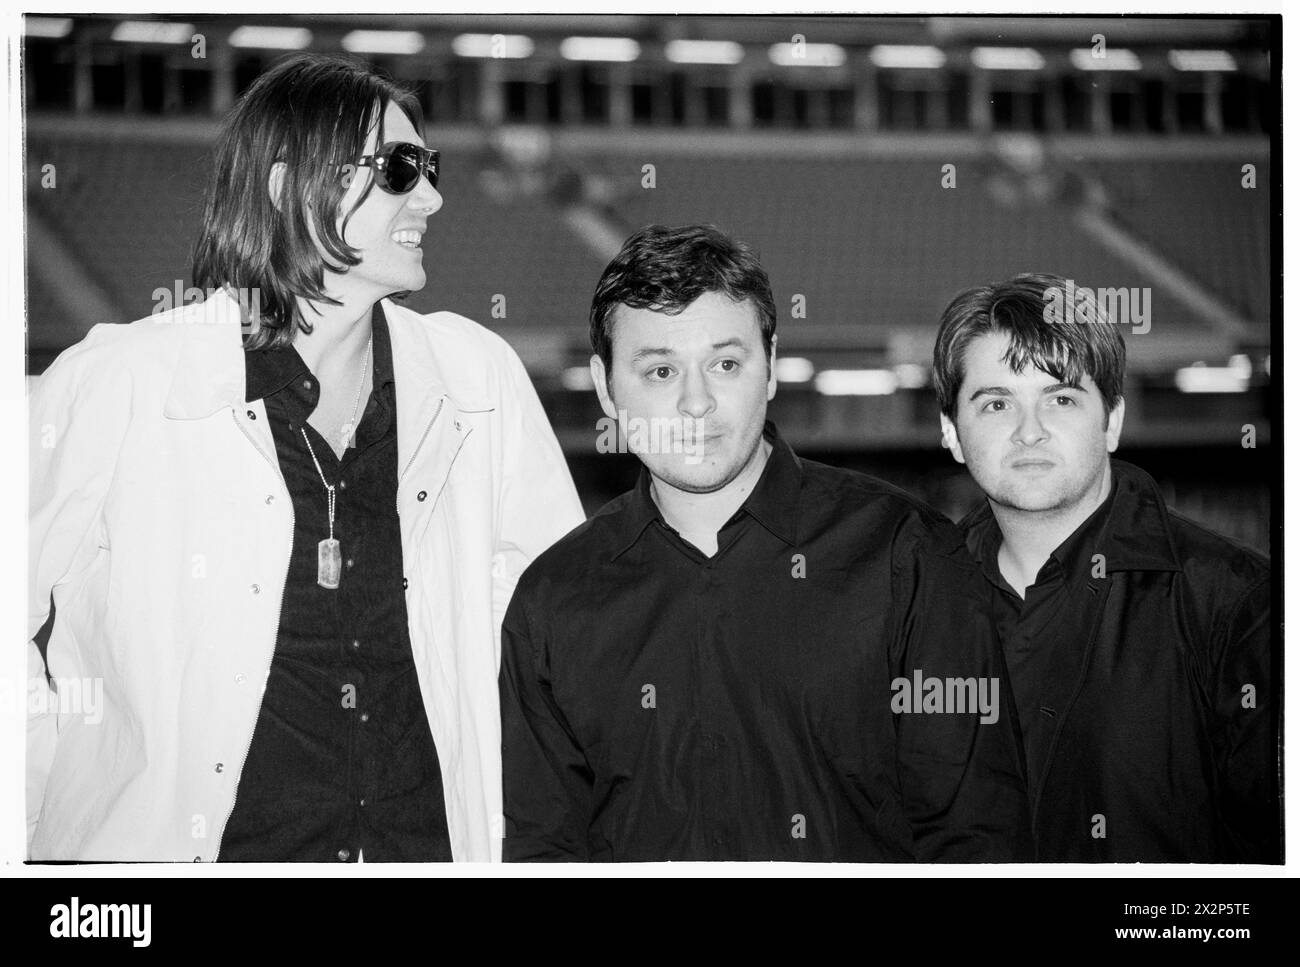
329 563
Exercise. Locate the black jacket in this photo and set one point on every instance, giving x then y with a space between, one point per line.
1165 745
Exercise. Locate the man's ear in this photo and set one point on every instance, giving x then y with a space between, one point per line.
1115 426
949 435
275 183
771 370
598 376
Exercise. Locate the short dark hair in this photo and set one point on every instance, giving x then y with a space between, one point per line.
312 112
666 269
1088 343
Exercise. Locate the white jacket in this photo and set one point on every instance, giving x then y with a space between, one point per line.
162 529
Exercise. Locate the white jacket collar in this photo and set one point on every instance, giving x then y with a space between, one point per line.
210 375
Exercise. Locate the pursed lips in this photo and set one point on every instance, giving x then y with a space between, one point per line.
1032 463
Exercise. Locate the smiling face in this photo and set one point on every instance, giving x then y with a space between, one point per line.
1031 442
387 230
695 386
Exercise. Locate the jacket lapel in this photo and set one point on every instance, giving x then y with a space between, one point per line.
210 376
431 427
209 371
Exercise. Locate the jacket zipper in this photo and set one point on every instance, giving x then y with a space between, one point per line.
424 436
293 524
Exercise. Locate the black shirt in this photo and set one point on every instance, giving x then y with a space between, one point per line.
1040 633
658 704
1166 743
342 759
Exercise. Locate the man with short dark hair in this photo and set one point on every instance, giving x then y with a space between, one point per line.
749 656
286 560
1138 643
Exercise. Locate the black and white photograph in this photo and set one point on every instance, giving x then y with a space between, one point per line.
649 444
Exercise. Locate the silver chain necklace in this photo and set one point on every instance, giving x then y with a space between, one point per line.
329 555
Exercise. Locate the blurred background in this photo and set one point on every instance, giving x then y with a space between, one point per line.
878 165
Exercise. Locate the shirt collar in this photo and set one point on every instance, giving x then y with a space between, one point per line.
267 371
1071 558
1066 554
1130 530
383 350
637 515
1075 553
774 501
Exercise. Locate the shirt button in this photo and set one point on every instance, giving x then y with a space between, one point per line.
343 485
241 678
421 495
270 498
356 644
252 415
198 859
365 716
220 766
256 589
306 384
363 802
405 584
344 854
349 562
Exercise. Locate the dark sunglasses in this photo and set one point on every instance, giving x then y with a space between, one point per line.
399 164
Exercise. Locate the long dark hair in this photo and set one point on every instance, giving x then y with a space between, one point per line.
313 113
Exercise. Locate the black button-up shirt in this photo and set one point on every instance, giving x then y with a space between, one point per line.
658 704
1041 633
342 761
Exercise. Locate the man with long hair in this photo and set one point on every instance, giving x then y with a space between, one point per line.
282 561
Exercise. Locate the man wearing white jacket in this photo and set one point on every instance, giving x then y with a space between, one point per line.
279 561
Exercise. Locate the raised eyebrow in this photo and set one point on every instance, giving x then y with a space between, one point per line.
650 351
732 343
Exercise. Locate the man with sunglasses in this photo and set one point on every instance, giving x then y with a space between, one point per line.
285 559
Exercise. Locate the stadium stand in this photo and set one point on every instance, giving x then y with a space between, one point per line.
838 178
